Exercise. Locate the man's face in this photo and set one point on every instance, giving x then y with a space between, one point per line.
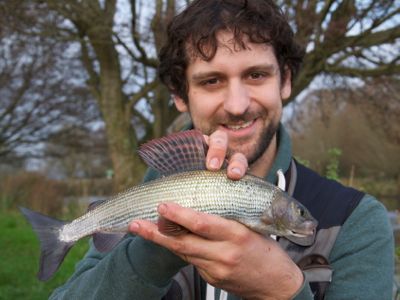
238 91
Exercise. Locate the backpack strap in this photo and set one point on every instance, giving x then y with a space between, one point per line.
330 203
186 285
313 260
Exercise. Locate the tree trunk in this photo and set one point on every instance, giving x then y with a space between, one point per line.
121 137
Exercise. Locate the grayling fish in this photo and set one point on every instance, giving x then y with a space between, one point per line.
180 159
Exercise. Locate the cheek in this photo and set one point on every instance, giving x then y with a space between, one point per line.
270 98
202 106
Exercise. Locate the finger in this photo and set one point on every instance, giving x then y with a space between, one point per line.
149 231
198 250
145 229
206 225
217 150
237 166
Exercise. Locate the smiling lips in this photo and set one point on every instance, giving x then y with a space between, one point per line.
239 126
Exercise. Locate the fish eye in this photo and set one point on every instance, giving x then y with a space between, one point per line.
301 211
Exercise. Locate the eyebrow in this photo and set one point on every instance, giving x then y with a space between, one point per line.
269 68
200 76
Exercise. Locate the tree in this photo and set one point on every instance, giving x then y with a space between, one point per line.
120 61
346 38
360 121
78 153
118 42
37 98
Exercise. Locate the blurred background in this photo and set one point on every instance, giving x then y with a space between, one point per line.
79 93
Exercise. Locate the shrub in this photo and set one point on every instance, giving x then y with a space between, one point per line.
32 190
332 168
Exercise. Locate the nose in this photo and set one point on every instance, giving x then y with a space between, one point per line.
237 98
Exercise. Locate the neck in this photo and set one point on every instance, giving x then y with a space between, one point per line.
262 165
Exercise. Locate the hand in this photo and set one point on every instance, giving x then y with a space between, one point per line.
217 152
227 254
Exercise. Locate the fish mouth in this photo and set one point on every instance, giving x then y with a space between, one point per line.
301 233
306 229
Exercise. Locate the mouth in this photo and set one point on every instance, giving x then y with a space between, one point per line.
239 126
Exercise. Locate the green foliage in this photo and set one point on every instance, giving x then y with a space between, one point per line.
397 252
19 250
332 168
304 162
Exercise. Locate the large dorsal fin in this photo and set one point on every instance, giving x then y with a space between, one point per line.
178 152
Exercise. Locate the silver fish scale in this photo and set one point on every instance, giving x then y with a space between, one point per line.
204 191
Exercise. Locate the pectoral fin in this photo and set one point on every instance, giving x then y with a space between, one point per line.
168 227
258 225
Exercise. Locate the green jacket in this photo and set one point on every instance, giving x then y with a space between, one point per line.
362 258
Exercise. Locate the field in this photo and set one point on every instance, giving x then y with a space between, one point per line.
19 253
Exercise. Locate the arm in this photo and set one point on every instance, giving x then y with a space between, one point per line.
363 255
135 269
138 269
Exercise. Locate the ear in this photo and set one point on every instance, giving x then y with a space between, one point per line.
286 87
180 104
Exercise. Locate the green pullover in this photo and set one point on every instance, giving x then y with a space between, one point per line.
362 259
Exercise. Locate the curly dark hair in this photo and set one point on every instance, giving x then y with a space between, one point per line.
195 29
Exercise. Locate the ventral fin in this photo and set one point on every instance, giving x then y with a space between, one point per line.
178 152
105 242
168 227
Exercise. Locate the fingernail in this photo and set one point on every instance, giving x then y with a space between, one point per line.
236 171
162 208
134 227
214 163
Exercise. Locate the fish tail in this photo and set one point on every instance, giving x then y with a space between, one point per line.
53 250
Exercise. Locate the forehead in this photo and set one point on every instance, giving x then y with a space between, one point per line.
230 52
227 44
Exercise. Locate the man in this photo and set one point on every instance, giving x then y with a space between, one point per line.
230 64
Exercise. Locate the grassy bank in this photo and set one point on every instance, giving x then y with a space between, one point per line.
19 253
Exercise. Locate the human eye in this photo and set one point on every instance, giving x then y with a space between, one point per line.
257 75
210 81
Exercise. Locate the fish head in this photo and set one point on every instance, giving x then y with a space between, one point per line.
291 218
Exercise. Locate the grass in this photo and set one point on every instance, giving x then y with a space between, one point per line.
19 253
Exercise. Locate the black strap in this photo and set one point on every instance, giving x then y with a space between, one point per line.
186 285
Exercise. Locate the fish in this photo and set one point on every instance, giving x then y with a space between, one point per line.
180 160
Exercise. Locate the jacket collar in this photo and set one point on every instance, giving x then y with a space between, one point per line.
283 156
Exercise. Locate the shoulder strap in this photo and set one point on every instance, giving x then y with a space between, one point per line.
331 204
313 260
186 285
